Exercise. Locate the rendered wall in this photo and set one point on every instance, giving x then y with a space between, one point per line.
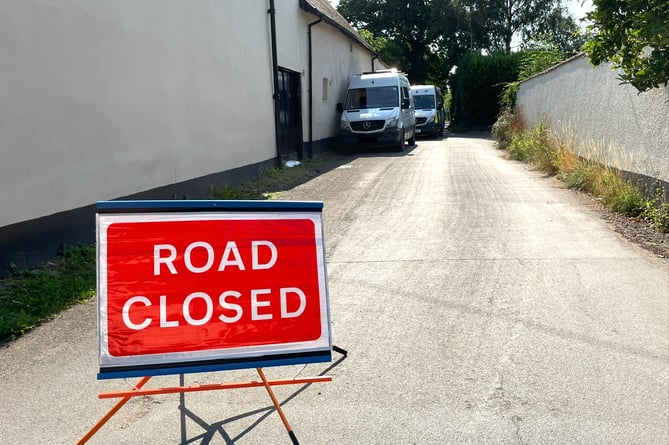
145 99
605 119
102 99
335 57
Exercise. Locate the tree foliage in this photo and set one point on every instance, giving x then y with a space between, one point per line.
417 34
562 30
634 36
536 56
390 51
426 38
493 24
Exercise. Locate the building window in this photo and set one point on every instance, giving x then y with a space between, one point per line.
325 89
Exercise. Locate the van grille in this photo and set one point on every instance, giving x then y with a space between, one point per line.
367 125
421 120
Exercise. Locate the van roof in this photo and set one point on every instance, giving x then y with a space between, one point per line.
389 70
385 78
425 89
380 74
422 87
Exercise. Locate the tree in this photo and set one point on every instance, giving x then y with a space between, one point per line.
388 19
390 52
493 24
561 29
419 34
634 36
538 55
427 37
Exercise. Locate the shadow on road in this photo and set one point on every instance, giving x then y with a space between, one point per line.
211 430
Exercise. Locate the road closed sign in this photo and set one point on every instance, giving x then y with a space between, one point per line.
196 286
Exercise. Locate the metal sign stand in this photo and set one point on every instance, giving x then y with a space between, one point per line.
153 240
138 391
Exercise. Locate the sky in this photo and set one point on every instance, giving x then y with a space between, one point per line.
578 8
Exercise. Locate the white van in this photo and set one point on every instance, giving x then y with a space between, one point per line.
430 113
378 111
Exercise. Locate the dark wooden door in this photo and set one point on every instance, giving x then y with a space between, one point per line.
290 115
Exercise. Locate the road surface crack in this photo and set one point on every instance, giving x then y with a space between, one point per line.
516 420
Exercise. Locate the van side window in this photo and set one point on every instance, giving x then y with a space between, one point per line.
406 94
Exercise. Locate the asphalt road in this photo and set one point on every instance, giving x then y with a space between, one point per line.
478 301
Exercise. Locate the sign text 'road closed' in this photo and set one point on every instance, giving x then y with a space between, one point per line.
208 286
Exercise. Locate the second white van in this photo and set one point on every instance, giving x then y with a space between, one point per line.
430 113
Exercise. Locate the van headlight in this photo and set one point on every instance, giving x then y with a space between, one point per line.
343 125
392 123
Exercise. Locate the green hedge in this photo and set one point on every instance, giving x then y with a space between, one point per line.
476 87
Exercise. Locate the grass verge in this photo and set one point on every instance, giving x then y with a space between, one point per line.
30 297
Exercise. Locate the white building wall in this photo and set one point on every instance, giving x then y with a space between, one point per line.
290 40
101 99
335 59
147 98
605 119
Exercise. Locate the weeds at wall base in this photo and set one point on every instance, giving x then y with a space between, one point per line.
656 209
540 147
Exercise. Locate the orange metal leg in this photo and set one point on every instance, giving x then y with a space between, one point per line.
277 405
137 391
210 387
111 412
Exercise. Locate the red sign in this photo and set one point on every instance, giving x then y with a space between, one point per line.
190 287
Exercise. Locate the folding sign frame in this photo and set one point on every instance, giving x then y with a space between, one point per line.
200 286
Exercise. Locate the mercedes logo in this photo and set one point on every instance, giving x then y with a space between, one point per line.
367 125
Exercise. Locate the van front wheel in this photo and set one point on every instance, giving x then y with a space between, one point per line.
412 139
400 145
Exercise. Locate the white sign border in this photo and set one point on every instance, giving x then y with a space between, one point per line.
109 362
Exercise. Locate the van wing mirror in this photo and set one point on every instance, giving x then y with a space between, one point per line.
406 103
340 108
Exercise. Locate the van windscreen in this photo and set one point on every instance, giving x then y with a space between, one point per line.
424 101
376 97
